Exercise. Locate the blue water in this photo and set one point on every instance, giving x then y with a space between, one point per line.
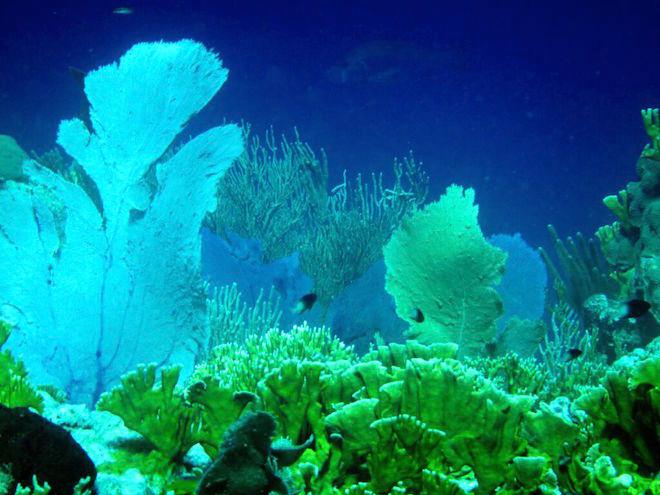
534 104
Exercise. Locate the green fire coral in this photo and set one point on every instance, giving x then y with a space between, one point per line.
157 412
412 419
438 262
618 204
15 390
405 446
626 406
463 419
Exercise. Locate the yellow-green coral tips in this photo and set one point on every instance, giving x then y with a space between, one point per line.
618 204
651 119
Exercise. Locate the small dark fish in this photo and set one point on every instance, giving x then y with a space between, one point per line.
636 308
573 354
491 348
123 11
305 303
417 315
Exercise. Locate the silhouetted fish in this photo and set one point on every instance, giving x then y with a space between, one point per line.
636 308
573 354
417 315
305 303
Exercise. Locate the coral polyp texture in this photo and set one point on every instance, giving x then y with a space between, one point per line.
118 283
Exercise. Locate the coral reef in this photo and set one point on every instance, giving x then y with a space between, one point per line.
404 418
241 398
632 244
231 259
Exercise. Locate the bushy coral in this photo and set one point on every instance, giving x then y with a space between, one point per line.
15 389
156 411
626 406
277 193
242 365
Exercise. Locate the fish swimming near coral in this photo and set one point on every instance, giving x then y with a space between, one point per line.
635 308
573 354
417 315
305 303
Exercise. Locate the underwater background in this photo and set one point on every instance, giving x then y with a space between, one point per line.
329 249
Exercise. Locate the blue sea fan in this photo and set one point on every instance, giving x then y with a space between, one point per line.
523 285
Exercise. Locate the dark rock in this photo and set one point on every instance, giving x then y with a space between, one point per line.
247 462
32 445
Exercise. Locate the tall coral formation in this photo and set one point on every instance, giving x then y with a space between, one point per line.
117 282
632 243
438 262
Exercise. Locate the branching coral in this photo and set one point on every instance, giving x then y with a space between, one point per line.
512 373
584 270
272 193
157 412
242 365
277 193
359 219
230 319
565 374
651 119
631 244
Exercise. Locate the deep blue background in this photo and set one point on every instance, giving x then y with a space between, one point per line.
535 104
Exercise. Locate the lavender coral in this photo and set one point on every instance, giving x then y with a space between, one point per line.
118 283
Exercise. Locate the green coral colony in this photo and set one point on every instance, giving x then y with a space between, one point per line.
237 404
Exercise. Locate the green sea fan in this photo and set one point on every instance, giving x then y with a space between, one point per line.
439 262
